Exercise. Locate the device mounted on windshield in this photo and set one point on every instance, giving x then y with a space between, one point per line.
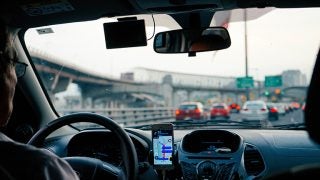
127 32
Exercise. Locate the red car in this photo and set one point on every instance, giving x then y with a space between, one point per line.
220 110
234 108
190 110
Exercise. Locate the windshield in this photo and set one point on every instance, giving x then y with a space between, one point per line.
270 59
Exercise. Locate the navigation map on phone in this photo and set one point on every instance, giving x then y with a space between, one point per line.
162 147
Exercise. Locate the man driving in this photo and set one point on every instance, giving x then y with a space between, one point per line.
18 160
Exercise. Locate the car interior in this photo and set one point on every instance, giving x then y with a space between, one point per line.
109 139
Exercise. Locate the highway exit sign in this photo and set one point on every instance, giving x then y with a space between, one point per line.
245 82
273 81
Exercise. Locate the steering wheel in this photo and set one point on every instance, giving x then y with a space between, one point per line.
91 168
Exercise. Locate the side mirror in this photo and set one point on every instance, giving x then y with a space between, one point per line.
192 40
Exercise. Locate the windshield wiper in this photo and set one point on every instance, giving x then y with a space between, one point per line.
184 123
202 123
148 126
142 127
297 126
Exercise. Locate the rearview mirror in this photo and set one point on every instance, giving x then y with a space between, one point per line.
192 40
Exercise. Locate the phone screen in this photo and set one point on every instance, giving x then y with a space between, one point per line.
162 139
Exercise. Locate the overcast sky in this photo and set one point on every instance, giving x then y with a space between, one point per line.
277 41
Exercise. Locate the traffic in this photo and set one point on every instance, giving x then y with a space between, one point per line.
268 114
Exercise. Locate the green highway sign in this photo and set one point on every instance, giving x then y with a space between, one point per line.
273 81
244 82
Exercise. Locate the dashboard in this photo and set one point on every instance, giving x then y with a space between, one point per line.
200 153
104 146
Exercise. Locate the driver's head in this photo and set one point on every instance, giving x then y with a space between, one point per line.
8 77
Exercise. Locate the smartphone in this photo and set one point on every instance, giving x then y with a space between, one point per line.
162 141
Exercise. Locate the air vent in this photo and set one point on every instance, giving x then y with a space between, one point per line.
253 161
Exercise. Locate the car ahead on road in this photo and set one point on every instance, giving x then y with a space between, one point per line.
190 110
234 108
255 110
273 111
220 110
281 107
291 107
295 105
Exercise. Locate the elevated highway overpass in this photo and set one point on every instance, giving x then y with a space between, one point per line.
57 76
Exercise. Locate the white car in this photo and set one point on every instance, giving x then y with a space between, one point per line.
281 107
254 111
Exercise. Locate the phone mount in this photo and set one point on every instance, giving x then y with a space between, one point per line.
174 158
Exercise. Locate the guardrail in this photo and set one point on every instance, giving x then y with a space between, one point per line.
130 116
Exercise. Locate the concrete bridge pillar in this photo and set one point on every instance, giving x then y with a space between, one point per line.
167 92
189 95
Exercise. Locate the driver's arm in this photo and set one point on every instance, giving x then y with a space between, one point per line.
23 161
54 167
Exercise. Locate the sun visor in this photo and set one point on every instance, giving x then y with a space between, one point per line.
125 33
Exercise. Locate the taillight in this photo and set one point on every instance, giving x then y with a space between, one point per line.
197 110
177 112
263 109
273 110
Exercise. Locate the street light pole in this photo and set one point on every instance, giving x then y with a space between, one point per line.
245 42
246 50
